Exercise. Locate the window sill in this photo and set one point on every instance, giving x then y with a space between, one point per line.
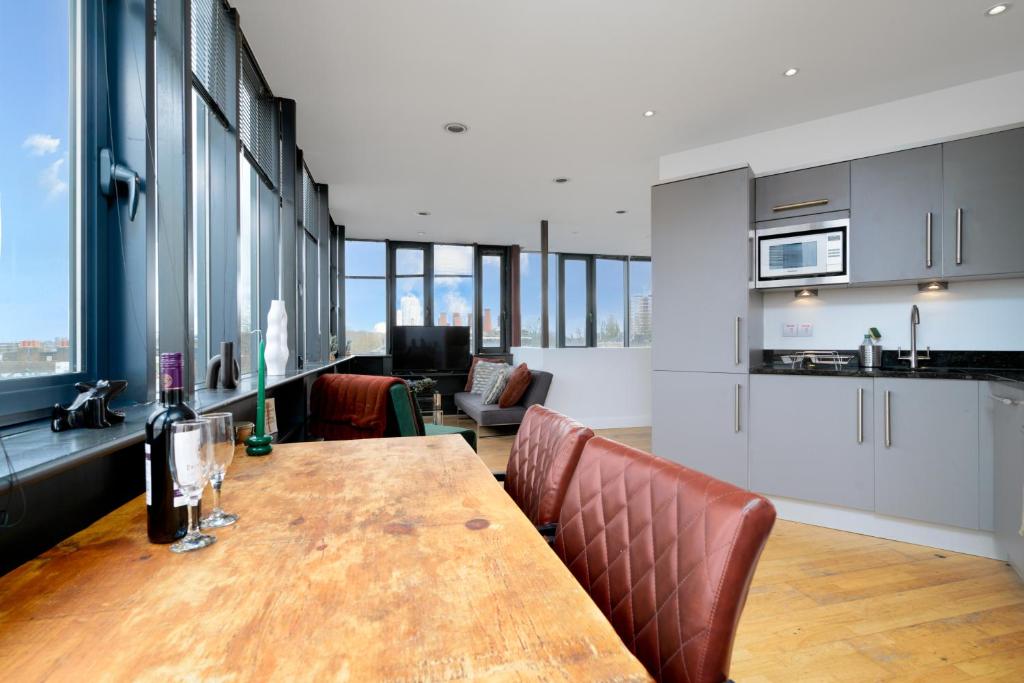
36 452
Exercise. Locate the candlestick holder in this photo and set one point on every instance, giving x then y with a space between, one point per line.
259 443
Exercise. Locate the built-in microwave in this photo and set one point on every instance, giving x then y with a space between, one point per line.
803 255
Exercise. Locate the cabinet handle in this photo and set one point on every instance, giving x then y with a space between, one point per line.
928 241
860 415
959 236
736 409
800 205
736 340
888 419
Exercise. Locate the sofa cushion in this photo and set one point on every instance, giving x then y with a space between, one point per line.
496 387
517 384
484 375
488 415
472 367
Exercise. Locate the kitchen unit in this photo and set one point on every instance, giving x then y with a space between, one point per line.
699 247
1007 404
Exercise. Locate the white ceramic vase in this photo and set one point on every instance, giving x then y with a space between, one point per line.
276 353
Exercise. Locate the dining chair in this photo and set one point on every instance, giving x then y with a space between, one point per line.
543 456
667 553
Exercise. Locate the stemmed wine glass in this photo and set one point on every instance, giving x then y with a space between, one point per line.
223 435
191 461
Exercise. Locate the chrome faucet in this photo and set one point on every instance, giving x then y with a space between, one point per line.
915 320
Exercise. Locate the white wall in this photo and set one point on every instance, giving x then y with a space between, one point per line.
979 315
962 110
602 388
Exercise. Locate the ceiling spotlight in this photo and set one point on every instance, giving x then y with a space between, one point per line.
791 71
649 113
421 233
996 10
456 128
561 180
621 211
805 293
422 213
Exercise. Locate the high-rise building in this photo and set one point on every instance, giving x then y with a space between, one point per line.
457 319
640 317
411 312
488 325
442 319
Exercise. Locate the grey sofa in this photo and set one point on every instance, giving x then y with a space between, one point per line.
493 415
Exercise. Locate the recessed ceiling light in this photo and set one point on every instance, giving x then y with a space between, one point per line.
456 128
996 10
621 211
421 233
561 180
575 232
649 113
422 213
791 71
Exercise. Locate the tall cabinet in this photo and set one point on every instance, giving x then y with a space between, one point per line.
707 322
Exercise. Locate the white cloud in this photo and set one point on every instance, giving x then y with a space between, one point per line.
450 259
51 179
40 143
380 328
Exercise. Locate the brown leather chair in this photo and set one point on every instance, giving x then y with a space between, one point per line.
547 447
667 554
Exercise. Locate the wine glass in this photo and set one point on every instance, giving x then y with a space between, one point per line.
223 436
191 461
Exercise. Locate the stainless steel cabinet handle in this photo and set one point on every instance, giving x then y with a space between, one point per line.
928 241
736 409
888 419
800 205
736 339
959 236
860 415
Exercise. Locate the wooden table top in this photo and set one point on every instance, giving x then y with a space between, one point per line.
377 560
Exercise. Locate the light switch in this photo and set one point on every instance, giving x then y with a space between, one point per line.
806 330
789 330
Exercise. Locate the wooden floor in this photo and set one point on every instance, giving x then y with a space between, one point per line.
828 605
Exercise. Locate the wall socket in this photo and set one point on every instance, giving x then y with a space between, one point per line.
797 330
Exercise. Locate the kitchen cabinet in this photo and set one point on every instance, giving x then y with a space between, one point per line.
983 212
802 193
896 216
927 450
699 419
812 438
707 319
1008 447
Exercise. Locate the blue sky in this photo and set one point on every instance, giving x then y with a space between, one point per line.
34 160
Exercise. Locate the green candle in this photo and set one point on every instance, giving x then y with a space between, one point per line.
258 443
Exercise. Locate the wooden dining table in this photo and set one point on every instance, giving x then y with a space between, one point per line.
375 560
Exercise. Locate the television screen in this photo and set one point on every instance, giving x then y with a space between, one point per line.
421 348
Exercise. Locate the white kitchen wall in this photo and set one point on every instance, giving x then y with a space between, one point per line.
976 107
602 388
979 315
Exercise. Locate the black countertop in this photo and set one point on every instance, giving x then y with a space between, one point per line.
984 366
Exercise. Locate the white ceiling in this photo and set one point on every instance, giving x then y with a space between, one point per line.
558 88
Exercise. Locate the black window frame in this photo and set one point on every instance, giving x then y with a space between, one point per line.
343 324
504 297
625 298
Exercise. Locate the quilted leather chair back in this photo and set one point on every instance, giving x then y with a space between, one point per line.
543 457
667 553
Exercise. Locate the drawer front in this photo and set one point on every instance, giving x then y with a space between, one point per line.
803 193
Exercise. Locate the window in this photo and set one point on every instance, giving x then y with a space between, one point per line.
200 232
453 287
39 231
492 276
639 302
530 298
575 306
610 300
409 269
365 297
248 263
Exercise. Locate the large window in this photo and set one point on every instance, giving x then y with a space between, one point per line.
200 235
610 300
248 263
453 286
575 307
639 302
39 264
410 270
365 297
492 276
530 301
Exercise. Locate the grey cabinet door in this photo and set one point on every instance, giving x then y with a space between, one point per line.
700 262
896 216
983 180
1008 447
803 193
926 461
807 442
700 420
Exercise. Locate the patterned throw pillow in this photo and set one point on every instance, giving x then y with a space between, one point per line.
493 391
483 374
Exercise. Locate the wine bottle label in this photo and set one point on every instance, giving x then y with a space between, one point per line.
180 500
149 477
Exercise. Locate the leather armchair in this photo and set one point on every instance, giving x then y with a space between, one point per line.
667 553
547 447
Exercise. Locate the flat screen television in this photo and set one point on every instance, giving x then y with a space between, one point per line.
422 348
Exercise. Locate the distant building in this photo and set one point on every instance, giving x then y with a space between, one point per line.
411 311
488 325
442 319
640 317
457 319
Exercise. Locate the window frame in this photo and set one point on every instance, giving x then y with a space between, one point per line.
625 297
503 296
343 326
588 261
427 275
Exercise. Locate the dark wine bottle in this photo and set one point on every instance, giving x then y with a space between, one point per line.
166 511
